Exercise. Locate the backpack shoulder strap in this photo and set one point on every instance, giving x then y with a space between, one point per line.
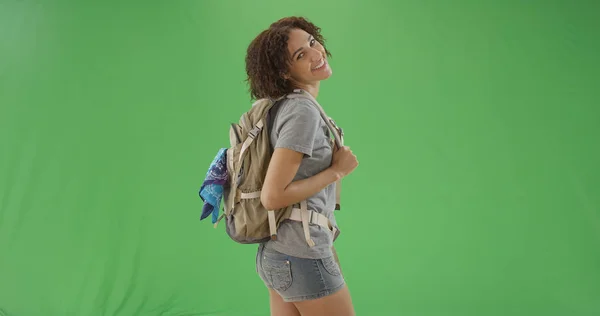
337 132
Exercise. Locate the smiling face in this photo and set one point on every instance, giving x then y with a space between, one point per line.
290 54
308 64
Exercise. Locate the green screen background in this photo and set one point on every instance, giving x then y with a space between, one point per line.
476 124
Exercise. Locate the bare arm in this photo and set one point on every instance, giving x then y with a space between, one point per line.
279 191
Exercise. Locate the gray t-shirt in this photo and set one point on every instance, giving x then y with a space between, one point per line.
297 124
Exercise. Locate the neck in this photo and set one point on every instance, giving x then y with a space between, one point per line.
312 88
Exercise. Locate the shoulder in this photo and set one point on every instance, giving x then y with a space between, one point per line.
296 118
298 107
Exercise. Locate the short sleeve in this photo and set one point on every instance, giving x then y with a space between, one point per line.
296 126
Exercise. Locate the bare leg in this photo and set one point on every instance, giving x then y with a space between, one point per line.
338 304
281 308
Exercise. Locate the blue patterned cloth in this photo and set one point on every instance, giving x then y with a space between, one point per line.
211 191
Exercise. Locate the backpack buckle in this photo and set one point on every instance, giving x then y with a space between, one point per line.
253 133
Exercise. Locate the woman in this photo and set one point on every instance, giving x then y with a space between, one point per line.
302 280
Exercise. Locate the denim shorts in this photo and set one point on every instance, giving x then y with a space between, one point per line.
298 279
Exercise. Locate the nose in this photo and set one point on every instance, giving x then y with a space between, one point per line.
316 54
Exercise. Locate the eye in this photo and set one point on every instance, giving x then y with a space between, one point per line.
312 43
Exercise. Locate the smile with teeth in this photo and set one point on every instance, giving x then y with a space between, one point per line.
321 65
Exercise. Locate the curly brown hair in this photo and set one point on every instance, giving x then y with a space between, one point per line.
268 59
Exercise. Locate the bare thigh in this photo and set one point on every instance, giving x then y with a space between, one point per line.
337 304
281 308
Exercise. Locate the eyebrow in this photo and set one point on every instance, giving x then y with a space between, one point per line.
301 48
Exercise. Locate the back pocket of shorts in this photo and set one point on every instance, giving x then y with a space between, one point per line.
279 272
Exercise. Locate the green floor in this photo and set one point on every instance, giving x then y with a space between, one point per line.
476 123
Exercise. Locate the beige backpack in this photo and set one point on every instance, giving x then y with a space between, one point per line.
247 220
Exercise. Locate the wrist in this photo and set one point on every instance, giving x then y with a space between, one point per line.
335 174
